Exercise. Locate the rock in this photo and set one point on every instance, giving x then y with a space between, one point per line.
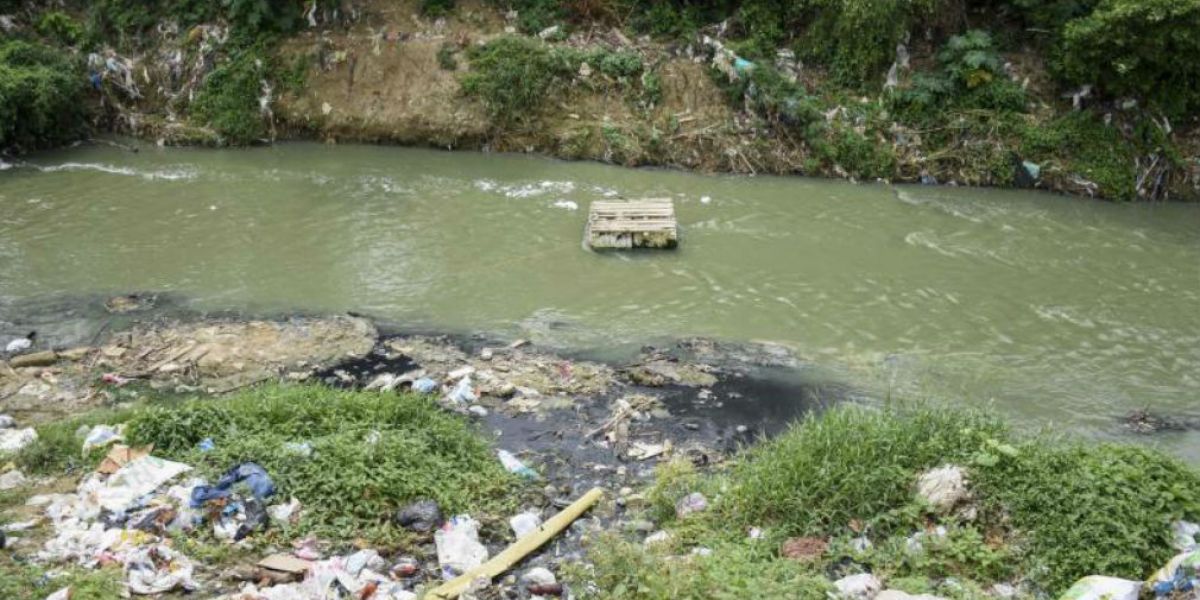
538 576
899 595
12 479
692 503
943 488
486 354
7 422
658 537
803 549
1003 591
863 586
636 501
640 526
36 359
12 440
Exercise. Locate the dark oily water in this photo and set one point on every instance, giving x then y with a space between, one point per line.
1057 310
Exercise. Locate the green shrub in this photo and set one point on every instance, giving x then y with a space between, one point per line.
514 76
228 99
371 452
1080 142
60 27
857 38
970 75
445 56
1142 48
437 8
41 95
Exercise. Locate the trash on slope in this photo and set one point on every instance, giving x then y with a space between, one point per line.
458 546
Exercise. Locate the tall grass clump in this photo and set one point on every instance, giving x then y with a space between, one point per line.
1047 511
368 453
41 95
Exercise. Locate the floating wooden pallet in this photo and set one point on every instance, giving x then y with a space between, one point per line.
646 223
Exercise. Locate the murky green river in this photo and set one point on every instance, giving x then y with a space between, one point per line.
1055 310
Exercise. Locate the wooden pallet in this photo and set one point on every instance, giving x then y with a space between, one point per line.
648 223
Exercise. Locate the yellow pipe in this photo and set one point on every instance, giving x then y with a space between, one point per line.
519 549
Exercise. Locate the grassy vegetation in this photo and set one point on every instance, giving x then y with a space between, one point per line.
1048 511
370 453
515 76
228 98
27 582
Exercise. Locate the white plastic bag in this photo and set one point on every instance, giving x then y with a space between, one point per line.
525 523
458 547
1099 587
135 480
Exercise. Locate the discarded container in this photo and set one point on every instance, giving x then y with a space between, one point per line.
458 547
514 465
632 224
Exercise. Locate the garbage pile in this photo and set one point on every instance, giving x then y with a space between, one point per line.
123 512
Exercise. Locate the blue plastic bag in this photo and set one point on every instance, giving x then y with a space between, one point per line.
256 479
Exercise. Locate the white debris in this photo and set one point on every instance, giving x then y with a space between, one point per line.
567 204
458 546
7 422
538 576
1099 587
135 480
284 514
100 436
658 537
1183 532
943 487
863 586
12 440
12 479
525 523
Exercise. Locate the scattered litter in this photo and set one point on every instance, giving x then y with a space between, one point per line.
63 594
514 465
285 563
525 523
1099 587
298 449
206 445
21 525
119 456
705 199
12 440
285 513
158 569
1033 169
477 410
458 546
1183 532
1180 574
136 479
421 516
690 504
646 450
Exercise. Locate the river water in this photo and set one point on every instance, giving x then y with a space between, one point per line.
1059 311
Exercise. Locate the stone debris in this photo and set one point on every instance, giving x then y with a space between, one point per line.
943 488
863 586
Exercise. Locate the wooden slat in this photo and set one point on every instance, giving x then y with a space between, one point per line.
622 224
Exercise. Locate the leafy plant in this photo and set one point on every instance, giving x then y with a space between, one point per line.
60 27
970 75
1133 48
41 93
437 8
228 99
445 56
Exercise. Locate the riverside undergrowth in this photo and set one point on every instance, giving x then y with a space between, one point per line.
1047 511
